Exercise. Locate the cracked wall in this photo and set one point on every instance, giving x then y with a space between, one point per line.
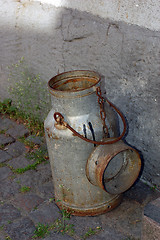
55 40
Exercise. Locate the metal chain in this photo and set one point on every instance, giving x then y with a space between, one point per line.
102 112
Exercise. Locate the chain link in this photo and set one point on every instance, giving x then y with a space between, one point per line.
102 112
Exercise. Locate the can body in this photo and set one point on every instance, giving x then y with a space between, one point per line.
74 95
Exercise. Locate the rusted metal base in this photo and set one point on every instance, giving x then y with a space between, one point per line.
92 211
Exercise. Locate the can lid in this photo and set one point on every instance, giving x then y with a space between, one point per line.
113 167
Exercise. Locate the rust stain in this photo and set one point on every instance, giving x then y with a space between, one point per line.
60 126
76 80
108 206
131 168
51 135
74 84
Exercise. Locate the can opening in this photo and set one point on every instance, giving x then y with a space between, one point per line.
75 84
119 175
114 167
74 81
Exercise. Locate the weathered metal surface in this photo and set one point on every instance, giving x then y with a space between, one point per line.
74 84
114 167
92 211
62 124
74 95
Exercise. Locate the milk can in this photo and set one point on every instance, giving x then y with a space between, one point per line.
91 165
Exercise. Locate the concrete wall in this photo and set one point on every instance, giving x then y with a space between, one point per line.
145 13
124 50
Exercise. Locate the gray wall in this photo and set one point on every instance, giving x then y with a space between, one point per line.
127 56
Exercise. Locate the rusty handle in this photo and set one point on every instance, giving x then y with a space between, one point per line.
60 120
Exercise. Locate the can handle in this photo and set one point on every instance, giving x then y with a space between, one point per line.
60 120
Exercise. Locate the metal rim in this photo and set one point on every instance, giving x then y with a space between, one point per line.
72 75
130 178
94 210
100 159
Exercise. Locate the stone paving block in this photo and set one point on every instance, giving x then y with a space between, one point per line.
5 139
108 234
58 236
44 173
152 210
6 123
8 213
104 234
151 221
27 201
19 162
5 172
8 189
29 178
46 190
16 149
83 224
156 202
141 193
128 214
150 229
46 214
18 131
4 156
35 139
32 178
21 229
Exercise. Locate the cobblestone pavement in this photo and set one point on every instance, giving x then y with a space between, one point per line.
26 198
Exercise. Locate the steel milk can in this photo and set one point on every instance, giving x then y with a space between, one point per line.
91 166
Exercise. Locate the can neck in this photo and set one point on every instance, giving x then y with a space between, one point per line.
76 106
74 93
74 84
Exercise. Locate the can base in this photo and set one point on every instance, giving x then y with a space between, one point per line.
92 211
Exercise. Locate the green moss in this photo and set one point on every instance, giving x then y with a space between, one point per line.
41 231
26 142
34 124
28 91
25 189
91 232
39 156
